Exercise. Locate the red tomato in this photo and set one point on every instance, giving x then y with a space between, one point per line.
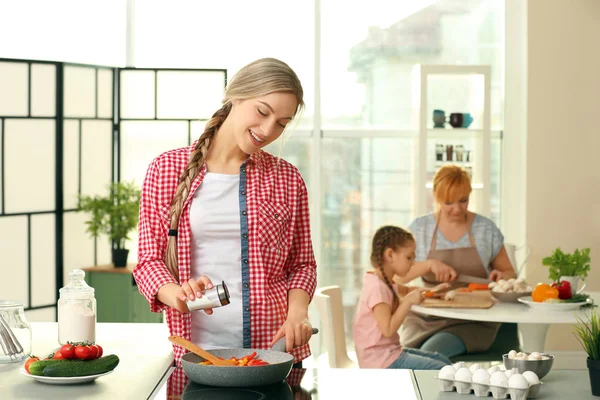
93 352
99 350
82 352
58 355
30 361
67 351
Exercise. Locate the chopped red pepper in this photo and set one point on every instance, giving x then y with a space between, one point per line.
248 360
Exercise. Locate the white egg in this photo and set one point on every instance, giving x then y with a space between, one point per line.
459 365
481 376
491 285
475 367
536 354
518 381
521 354
531 377
493 369
533 357
519 281
512 354
501 282
545 358
509 373
499 378
447 372
463 375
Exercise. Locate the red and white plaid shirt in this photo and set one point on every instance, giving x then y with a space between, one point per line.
280 253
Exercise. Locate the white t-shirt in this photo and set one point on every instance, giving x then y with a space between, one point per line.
217 252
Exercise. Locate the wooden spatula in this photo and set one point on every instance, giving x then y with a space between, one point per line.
186 344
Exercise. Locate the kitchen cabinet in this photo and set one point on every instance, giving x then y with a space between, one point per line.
117 295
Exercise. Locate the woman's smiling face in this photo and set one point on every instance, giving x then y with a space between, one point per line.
259 121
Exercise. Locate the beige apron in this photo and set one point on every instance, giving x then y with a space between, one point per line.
477 336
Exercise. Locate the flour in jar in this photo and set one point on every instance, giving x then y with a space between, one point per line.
76 323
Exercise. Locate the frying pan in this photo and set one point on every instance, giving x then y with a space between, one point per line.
280 365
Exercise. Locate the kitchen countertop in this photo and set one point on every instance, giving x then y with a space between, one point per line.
557 385
144 352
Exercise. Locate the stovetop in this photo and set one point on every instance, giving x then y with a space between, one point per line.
318 384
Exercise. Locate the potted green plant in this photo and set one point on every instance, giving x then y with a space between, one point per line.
569 267
588 334
115 215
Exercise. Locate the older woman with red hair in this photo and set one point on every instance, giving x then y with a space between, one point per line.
452 241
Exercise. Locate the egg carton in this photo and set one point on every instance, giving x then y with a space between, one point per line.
481 390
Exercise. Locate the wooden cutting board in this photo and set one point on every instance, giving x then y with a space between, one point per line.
476 299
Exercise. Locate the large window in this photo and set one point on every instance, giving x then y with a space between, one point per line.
368 55
357 150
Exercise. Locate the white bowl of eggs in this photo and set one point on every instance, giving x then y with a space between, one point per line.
539 363
483 381
510 290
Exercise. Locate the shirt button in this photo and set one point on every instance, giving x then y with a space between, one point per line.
244 212
276 216
246 285
247 308
246 330
243 170
245 261
245 236
243 192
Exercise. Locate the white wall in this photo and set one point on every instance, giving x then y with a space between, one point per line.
563 129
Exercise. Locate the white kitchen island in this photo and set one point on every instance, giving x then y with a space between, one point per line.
145 354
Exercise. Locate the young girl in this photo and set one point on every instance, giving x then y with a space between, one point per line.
380 311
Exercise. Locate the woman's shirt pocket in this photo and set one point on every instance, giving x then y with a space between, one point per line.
273 223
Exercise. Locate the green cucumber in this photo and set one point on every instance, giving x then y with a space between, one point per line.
82 368
37 367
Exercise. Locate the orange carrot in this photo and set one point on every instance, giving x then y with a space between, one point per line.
478 286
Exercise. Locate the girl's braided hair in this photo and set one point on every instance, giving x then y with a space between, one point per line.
388 237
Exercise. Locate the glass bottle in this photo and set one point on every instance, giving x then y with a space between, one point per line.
459 152
449 151
76 310
13 318
439 152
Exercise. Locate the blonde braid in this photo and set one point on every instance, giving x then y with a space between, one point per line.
185 183
388 237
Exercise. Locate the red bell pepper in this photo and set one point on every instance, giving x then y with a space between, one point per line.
564 290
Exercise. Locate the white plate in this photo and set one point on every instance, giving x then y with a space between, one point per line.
552 306
63 380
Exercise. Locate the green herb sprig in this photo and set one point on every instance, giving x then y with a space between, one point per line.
564 264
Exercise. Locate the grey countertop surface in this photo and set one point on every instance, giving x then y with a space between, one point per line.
557 385
144 352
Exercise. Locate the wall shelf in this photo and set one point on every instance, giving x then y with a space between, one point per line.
479 137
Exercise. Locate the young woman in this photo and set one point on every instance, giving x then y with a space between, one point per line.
224 210
380 311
